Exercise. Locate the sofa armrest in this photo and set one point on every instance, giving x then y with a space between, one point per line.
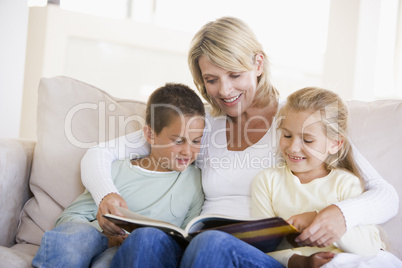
15 167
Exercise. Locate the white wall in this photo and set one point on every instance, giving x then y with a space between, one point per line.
129 59
13 32
126 58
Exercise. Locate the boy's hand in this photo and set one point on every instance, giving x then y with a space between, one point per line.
303 220
107 205
327 228
316 260
114 241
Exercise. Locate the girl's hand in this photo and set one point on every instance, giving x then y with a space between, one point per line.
303 220
316 260
327 228
107 205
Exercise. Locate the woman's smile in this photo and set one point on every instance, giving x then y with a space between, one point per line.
233 92
232 100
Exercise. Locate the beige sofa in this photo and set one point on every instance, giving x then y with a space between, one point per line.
39 179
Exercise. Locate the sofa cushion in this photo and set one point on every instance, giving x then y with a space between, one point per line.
72 116
17 256
15 161
376 129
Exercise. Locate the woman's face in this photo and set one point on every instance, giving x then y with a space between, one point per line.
232 92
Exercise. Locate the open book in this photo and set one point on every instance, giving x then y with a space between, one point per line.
264 234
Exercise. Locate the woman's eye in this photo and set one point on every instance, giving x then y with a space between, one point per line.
235 75
307 141
287 136
210 81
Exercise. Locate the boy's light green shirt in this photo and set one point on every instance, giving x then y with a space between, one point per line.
174 197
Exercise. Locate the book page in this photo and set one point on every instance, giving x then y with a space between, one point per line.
133 215
136 220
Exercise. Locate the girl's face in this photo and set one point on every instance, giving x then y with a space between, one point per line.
232 92
304 145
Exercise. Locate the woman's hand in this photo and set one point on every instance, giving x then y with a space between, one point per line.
107 205
303 220
316 260
327 227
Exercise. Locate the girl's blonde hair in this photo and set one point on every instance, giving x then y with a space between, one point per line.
334 120
229 43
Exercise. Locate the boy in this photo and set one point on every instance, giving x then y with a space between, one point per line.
162 185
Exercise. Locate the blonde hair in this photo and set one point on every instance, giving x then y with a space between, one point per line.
229 43
334 120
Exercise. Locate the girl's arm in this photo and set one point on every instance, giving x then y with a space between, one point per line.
376 205
261 205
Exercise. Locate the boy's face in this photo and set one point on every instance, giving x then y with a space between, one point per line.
178 144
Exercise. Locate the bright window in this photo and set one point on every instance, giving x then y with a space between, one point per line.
388 62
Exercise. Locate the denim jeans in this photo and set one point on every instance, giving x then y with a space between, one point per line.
71 244
148 247
219 249
81 245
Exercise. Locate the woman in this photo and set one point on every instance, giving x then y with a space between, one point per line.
230 69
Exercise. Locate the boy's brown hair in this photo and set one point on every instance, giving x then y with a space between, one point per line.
169 101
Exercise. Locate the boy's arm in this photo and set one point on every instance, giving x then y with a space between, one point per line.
196 204
83 209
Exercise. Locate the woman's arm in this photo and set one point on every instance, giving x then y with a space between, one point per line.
96 174
96 165
376 205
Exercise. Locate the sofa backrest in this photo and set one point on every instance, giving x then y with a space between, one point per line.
72 116
376 131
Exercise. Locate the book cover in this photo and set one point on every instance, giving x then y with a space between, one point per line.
264 234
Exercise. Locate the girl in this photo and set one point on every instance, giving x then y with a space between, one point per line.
317 169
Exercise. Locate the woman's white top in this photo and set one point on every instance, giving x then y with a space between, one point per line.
227 175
